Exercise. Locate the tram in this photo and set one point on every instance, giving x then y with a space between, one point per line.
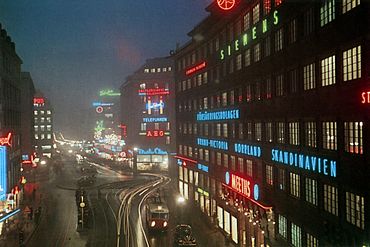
157 214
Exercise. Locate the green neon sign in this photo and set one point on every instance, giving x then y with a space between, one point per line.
109 92
99 126
253 34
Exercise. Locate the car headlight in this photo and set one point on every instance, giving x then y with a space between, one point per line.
165 224
152 224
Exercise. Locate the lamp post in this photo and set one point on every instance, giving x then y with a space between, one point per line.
134 167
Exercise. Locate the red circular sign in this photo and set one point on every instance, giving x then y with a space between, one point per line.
99 109
226 4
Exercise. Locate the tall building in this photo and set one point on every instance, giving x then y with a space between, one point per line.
43 125
148 113
272 110
10 123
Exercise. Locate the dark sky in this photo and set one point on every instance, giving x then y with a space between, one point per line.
74 48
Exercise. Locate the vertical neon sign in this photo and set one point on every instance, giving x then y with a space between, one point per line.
3 173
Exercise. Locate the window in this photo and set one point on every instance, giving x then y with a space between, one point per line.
219 159
279 85
268 88
247 57
268 127
257 91
218 129
353 137
309 22
249 168
239 62
258 131
266 7
225 130
355 210
248 90
310 134
293 81
292 31
36 136
282 226
278 2
328 71
226 160
295 184
241 131
327 12
279 40
257 52
311 191
267 51
249 131
312 241
256 13
205 103
246 21
233 162
329 132
280 132
48 112
347 5
281 179
309 77
241 165
35 112
269 175
294 133
352 64
224 99
331 199
296 235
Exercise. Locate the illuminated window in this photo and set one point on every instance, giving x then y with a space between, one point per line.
200 153
42 127
266 6
219 159
278 2
269 175
205 77
239 62
146 70
35 119
233 162
48 136
206 155
268 88
248 90
42 120
347 5
238 27
164 69
225 130
152 70
281 179
48 119
292 27
241 165
312 241
42 112
310 134
226 160
311 191
224 99
143 127
241 131
42 136
205 103
199 79
309 81
168 140
158 69
309 22
169 68
279 40
268 128
282 226
195 129
249 168
218 129
257 52
36 136
331 199
328 71
256 13
280 126
267 46
246 21
329 131
294 133
355 210
353 137
206 129
352 64
258 131
48 112
327 12
296 235
249 131
279 85
35 112
36 127
257 91
295 184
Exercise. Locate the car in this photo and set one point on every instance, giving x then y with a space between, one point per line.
85 181
183 236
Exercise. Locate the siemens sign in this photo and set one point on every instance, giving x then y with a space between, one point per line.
250 150
306 162
213 143
218 115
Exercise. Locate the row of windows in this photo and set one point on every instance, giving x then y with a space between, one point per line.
293 133
41 112
157 70
42 128
42 120
328 9
42 136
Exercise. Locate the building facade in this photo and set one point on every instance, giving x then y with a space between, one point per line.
272 110
43 126
148 113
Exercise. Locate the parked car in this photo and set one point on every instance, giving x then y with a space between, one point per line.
184 236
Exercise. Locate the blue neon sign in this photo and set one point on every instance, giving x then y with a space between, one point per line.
102 104
250 150
306 162
154 105
218 115
213 143
256 192
202 167
152 151
154 119
3 173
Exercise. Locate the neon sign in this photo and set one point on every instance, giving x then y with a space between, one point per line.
202 167
154 119
153 91
155 133
155 105
195 68
244 39
242 185
250 150
218 115
213 143
365 97
99 109
306 162
38 101
124 129
96 104
109 92
3 173
226 4
152 151
5 141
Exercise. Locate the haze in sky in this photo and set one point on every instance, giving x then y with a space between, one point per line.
74 48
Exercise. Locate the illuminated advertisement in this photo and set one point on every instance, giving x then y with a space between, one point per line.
3 173
5 141
218 115
153 91
150 151
38 101
155 119
96 104
183 161
306 162
202 167
109 92
249 150
195 68
242 185
226 4
154 105
365 97
155 133
213 143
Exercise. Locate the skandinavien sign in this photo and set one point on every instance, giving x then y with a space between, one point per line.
306 162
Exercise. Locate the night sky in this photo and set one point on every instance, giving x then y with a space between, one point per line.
74 48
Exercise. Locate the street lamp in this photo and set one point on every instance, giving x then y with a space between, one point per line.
181 202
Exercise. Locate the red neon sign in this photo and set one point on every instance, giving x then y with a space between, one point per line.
240 185
154 133
153 91
38 101
226 4
365 97
5 141
196 68
186 159
124 129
